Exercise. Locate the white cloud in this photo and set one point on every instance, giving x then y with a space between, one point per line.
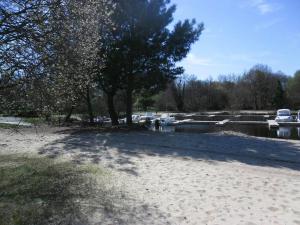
263 6
197 60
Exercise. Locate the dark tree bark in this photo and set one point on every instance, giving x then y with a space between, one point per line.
68 117
89 105
129 101
111 109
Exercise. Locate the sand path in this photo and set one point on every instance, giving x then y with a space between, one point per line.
187 178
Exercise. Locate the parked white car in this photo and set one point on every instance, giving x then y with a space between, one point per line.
284 115
167 119
298 116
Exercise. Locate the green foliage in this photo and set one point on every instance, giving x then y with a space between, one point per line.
54 54
8 126
144 101
142 50
279 99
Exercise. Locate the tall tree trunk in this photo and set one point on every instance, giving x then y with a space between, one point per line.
68 117
89 105
129 102
111 109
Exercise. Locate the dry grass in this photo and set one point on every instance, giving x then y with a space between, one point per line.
43 191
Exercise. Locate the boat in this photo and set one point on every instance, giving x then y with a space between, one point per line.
167 119
136 118
284 132
284 115
148 118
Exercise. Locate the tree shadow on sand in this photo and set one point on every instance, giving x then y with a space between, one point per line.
44 191
119 149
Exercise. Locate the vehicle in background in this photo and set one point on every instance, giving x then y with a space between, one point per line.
298 116
166 119
284 115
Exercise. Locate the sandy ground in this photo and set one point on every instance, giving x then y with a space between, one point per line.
181 178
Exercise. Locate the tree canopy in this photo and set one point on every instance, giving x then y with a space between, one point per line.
142 50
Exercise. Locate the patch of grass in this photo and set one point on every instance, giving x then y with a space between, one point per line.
43 191
34 120
8 126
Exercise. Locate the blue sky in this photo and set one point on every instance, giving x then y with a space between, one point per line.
241 33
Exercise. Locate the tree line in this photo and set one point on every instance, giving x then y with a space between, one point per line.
61 56
257 89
